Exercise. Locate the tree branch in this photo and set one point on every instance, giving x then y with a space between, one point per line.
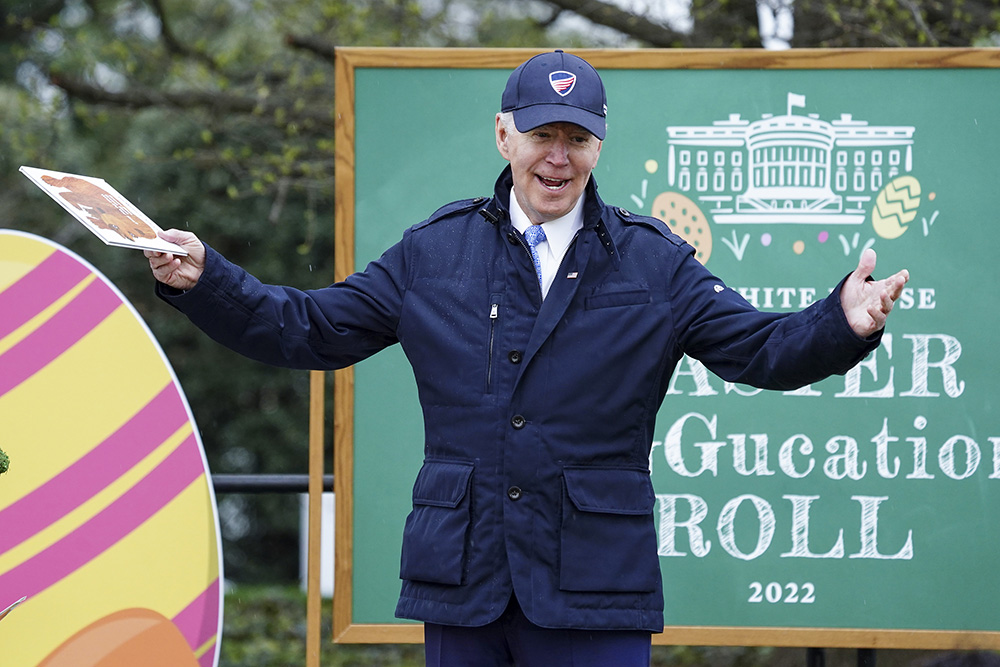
918 17
173 44
313 45
140 98
545 24
626 22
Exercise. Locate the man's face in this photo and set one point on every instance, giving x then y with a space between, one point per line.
551 166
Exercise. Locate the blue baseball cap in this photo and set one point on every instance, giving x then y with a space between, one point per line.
556 87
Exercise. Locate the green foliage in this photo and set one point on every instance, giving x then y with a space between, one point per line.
733 27
232 173
894 23
4 462
265 627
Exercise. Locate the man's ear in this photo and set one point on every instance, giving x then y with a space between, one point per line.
502 136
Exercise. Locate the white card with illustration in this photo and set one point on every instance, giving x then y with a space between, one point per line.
102 210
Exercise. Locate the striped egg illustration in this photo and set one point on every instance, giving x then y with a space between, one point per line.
108 521
896 207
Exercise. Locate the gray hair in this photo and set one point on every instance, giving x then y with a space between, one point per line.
507 120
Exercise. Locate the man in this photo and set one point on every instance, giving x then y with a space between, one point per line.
541 361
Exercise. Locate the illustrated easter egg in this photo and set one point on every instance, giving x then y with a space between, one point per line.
686 220
142 637
108 520
896 207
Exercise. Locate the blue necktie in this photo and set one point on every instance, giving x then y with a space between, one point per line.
534 235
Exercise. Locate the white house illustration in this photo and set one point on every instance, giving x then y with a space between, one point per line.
787 169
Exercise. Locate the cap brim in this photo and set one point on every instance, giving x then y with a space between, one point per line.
537 115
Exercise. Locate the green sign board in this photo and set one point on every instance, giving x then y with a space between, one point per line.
858 511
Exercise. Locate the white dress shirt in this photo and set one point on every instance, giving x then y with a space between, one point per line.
559 234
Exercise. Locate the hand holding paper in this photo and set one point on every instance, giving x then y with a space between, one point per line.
180 271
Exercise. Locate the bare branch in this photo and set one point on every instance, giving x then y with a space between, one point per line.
545 24
139 98
626 22
918 17
312 44
173 44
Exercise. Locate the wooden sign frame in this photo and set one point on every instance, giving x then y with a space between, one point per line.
347 60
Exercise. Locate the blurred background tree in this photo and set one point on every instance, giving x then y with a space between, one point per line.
218 116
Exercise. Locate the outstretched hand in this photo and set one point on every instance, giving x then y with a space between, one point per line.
178 271
867 303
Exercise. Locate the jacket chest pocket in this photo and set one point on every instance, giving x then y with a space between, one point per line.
436 530
624 295
607 541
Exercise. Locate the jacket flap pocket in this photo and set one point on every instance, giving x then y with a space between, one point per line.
442 484
610 490
621 296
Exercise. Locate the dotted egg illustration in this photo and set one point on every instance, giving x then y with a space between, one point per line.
685 219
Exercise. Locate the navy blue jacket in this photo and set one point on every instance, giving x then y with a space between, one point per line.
538 416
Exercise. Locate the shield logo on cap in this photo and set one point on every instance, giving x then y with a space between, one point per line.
562 82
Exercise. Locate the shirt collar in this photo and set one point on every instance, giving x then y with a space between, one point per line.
559 232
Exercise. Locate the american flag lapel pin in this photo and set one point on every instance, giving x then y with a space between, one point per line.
572 274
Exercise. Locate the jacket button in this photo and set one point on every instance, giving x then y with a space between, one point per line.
514 356
517 421
514 492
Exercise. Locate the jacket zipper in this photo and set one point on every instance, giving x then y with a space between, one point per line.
494 314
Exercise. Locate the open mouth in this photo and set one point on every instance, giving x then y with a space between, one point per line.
552 183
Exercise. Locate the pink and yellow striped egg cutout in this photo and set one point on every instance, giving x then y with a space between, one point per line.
108 521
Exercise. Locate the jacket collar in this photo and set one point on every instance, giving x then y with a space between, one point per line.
497 212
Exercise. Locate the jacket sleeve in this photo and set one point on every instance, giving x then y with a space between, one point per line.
322 329
782 351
